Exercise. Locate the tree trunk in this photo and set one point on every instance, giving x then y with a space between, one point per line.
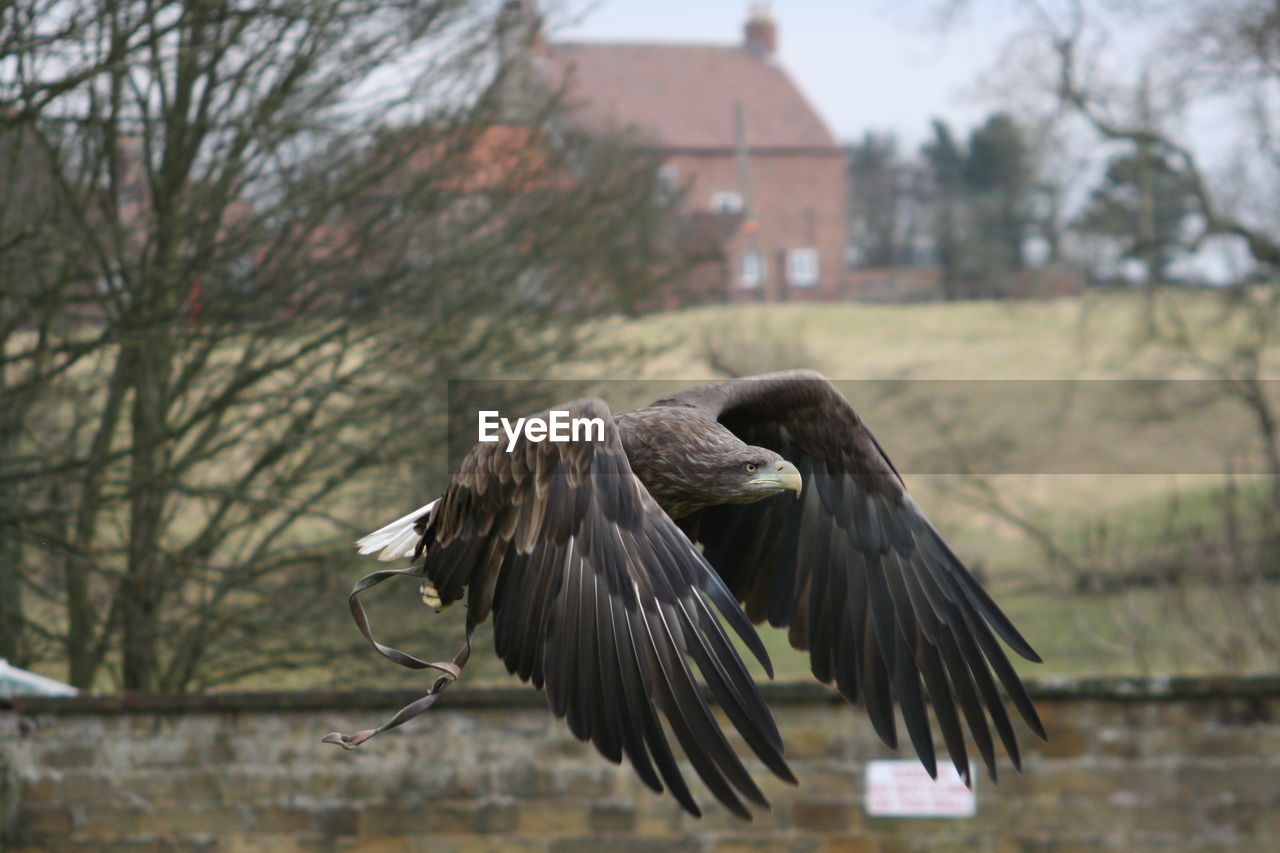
148 366
10 547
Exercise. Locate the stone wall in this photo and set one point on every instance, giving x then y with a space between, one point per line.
1131 765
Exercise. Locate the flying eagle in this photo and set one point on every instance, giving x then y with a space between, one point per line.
586 555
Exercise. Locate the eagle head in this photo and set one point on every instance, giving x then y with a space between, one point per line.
720 473
752 473
687 461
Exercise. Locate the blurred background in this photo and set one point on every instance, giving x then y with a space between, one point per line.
246 247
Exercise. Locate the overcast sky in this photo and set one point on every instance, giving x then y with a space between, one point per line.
864 64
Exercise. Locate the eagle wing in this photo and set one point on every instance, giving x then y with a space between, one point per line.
864 582
601 600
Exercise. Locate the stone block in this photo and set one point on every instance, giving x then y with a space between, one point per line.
390 844
774 842
279 820
591 844
113 821
70 755
476 844
528 779
617 814
467 782
1117 742
143 752
531 779
378 821
556 816
812 814
656 816
337 821
497 815
43 820
260 842
1225 741
1066 744
443 817
813 741
89 788
1048 845
850 845
940 841
1249 781
182 820
1238 818
39 789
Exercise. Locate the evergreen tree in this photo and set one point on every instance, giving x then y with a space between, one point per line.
1144 201
946 161
998 174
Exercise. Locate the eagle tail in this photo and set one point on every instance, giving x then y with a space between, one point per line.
398 539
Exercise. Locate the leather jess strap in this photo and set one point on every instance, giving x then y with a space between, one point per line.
449 670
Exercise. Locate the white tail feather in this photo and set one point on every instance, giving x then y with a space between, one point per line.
397 539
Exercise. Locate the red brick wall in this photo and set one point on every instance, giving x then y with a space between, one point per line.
895 284
799 201
924 283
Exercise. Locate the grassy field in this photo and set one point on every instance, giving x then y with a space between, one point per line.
1099 336
1034 493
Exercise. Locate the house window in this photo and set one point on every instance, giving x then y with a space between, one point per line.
726 201
802 267
668 183
752 274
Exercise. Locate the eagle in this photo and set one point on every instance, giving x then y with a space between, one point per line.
615 565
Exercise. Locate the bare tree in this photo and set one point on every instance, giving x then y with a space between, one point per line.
885 190
264 236
1223 54
1200 54
1149 82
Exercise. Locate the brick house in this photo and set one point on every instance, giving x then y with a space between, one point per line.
759 176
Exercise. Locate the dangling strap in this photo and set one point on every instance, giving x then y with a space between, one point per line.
450 670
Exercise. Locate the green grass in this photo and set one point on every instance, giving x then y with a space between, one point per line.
1133 632
1096 336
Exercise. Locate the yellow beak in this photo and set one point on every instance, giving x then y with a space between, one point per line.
784 475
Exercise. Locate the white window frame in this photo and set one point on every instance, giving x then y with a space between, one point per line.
803 269
726 201
751 270
669 177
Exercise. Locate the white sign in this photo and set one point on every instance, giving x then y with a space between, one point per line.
904 789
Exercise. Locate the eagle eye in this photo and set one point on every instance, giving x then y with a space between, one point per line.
750 467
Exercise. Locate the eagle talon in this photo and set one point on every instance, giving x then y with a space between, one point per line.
431 598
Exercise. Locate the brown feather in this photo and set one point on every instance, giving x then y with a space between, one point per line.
896 574
599 598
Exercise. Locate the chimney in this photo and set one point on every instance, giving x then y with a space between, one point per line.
519 29
760 33
519 40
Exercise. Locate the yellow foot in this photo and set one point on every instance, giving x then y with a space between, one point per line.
431 598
